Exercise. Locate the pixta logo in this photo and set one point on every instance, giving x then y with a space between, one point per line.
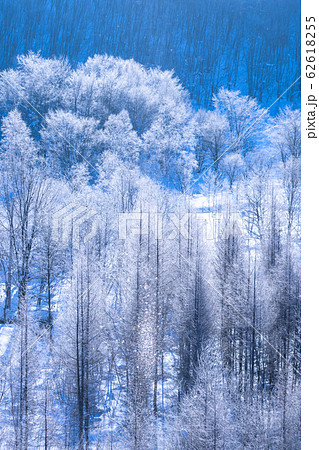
76 222
211 226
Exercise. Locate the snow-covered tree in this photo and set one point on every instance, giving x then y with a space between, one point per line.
68 139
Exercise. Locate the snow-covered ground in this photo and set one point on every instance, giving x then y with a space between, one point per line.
5 336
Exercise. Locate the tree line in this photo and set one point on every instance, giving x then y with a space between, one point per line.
247 45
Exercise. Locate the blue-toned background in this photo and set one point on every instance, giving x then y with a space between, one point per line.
251 45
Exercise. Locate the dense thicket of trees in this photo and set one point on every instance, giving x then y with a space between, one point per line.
164 339
244 44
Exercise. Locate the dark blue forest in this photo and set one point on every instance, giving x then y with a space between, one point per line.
250 45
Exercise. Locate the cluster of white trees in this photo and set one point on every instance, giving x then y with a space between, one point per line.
145 342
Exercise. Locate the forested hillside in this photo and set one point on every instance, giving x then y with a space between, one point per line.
155 337
250 45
